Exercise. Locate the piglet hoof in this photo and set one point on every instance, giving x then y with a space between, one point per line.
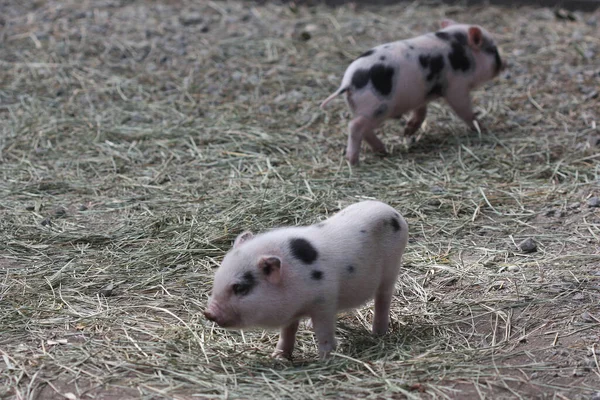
411 129
380 330
353 159
326 348
281 355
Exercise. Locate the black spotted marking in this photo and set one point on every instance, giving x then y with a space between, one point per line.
424 60
395 224
458 58
321 225
361 78
461 38
245 285
382 58
366 54
443 35
350 269
363 231
436 65
411 47
303 250
381 77
380 111
316 275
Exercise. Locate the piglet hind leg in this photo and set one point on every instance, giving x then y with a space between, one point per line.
287 339
383 301
359 128
415 121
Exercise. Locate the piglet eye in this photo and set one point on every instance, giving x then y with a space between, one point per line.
240 289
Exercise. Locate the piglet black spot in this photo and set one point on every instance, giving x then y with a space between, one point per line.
363 231
443 35
461 38
381 76
303 250
436 65
245 285
350 269
411 47
316 275
360 78
395 224
321 225
424 60
382 58
366 54
458 57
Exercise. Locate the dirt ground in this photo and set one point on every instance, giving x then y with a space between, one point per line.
138 138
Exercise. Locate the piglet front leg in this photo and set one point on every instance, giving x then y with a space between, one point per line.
460 102
324 326
287 339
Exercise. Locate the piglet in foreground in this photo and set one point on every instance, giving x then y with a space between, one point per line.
395 78
274 279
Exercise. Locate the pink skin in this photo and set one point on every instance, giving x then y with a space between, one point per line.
358 253
370 108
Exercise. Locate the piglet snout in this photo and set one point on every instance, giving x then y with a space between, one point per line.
210 316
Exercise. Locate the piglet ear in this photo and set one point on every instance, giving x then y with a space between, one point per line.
242 237
446 22
475 38
270 266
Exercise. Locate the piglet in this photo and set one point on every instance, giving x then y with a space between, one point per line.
395 78
274 279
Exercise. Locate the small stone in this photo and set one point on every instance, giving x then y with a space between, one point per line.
190 19
587 317
264 109
60 212
593 202
83 207
528 246
46 221
30 208
106 291
565 15
437 189
305 36
579 296
513 268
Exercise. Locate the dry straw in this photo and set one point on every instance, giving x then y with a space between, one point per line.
138 138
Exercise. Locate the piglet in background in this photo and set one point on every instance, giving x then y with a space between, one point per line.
395 78
274 279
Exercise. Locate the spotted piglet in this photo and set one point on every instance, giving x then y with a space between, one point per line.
395 78
274 279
